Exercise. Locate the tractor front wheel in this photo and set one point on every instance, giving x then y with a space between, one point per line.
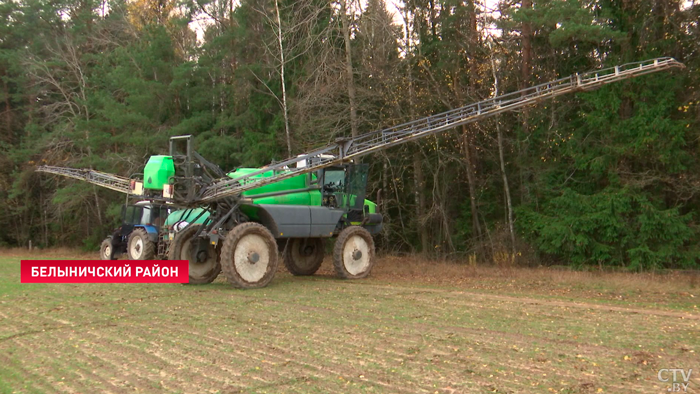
140 246
303 256
106 252
353 253
204 266
249 256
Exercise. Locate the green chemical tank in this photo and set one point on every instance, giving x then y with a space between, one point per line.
158 171
305 195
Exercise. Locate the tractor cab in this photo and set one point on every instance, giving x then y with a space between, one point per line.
140 235
145 214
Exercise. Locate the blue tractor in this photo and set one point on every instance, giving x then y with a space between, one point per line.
141 233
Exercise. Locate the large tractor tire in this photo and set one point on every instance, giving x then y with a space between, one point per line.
205 267
303 256
140 247
353 253
106 252
249 256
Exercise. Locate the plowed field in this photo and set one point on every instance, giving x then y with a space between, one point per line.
412 327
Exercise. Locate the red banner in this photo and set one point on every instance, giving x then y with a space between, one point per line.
105 271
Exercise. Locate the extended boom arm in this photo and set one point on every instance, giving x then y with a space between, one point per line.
114 182
346 149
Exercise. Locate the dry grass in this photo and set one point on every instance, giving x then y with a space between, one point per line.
669 288
504 270
412 266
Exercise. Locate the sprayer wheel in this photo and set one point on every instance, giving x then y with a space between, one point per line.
249 256
304 256
353 253
204 267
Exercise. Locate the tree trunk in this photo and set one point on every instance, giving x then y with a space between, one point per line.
506 187
418 179
419 196
345 25
473 47
433 29
42 207
385 186
476 227
282 81
525 71
525 66
94 188
8 109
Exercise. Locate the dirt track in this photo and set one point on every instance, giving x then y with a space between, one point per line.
325 335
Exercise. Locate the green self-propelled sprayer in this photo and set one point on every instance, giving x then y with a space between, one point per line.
239 221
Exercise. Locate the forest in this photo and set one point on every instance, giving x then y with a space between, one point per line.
603 178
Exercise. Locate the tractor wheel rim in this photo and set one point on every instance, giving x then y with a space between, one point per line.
137 248
107 252
251 268
198 269
356 255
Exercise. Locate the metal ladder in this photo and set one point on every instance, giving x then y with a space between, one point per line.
347 149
